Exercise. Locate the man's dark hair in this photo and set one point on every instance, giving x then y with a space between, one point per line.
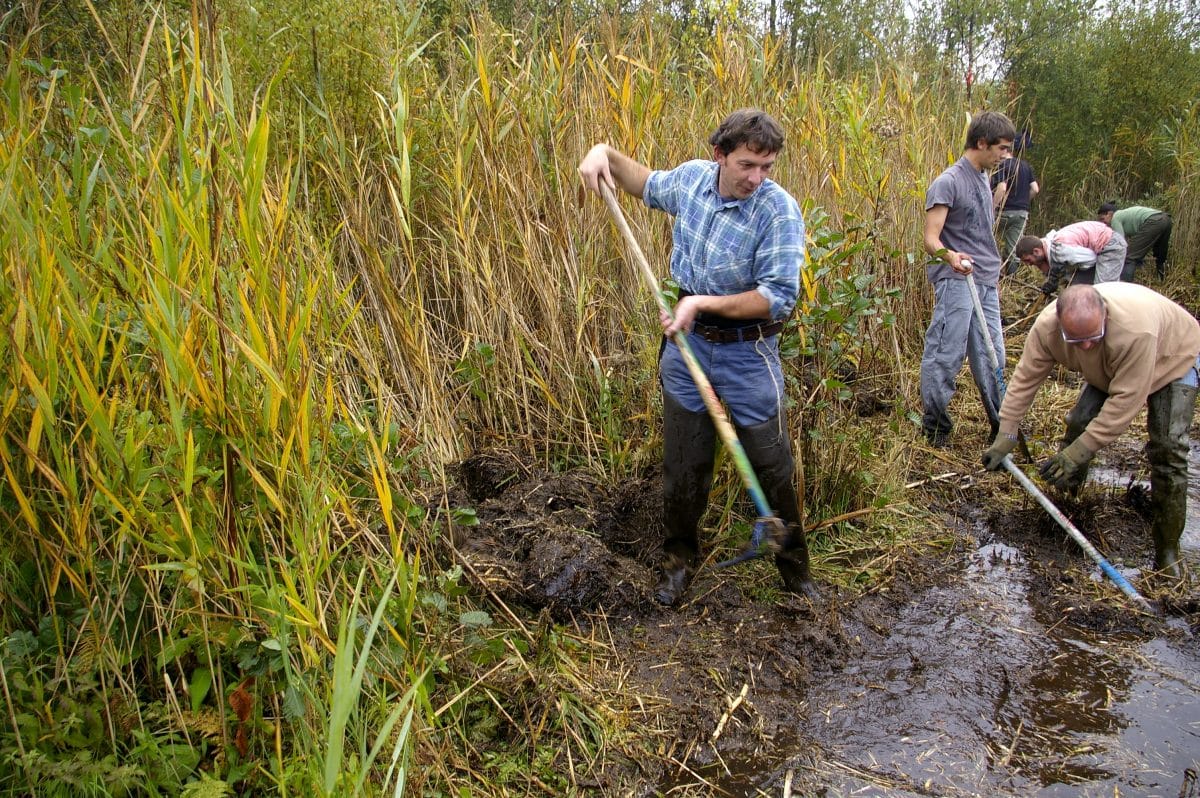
1108 207
750 126
1026 245
991 126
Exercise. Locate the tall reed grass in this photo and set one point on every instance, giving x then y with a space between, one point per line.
237 359
188 485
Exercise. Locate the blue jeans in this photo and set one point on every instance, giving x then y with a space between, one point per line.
1192 378
954 334
747 376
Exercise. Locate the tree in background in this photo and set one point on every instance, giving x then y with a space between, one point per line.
1103 96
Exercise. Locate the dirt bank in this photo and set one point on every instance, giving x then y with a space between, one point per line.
929 680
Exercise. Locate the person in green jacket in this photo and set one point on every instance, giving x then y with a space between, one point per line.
1145 229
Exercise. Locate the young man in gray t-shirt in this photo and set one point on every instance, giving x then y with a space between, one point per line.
958 233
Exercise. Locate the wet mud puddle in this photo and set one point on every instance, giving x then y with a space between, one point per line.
973 694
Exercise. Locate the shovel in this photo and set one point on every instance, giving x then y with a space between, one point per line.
769 531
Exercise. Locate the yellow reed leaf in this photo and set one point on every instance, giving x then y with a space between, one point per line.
262 483
20 325
303 615
97 481
809 282
255 330
304 428
383 490
633 61
485 84
185 518
10 402
62 569
33 440
285 453
45 408
22 500
259 363
189 463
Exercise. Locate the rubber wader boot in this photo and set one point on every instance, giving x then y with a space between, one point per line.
1169 421
770 453
1087 406
689 448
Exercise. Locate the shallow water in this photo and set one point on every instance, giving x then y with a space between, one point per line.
971 692
1189 542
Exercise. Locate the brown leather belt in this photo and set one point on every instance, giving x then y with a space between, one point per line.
733 335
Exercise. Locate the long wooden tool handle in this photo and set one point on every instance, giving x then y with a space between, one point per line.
720 420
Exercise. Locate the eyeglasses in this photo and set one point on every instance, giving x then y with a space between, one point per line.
1087 339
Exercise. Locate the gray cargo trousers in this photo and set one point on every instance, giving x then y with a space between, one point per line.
955 334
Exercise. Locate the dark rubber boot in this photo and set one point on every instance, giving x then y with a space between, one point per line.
689 444
1168 424
1091 400
769 450
1169 519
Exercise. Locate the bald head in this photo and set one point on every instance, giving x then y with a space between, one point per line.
1081 315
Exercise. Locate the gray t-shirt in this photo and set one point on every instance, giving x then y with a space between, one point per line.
966 192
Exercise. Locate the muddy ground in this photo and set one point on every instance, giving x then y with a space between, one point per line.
995 663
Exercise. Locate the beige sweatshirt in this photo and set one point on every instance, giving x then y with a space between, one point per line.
1149 341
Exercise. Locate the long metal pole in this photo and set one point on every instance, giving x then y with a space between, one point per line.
1083 542
987 335
997 367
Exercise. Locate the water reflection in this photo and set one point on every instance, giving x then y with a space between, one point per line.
969 693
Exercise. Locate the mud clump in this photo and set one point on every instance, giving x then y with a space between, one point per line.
560 542
488 473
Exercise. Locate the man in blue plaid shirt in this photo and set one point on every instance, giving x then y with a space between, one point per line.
737 250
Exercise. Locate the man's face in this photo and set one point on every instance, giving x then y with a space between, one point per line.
1085 331
1037 259
742 171
1106 218
993 154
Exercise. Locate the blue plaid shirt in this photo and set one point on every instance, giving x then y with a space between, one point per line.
722 247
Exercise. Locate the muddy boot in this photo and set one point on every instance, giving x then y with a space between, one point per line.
689 441
1168 423
1166 528
1091 401
792 563
770 453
